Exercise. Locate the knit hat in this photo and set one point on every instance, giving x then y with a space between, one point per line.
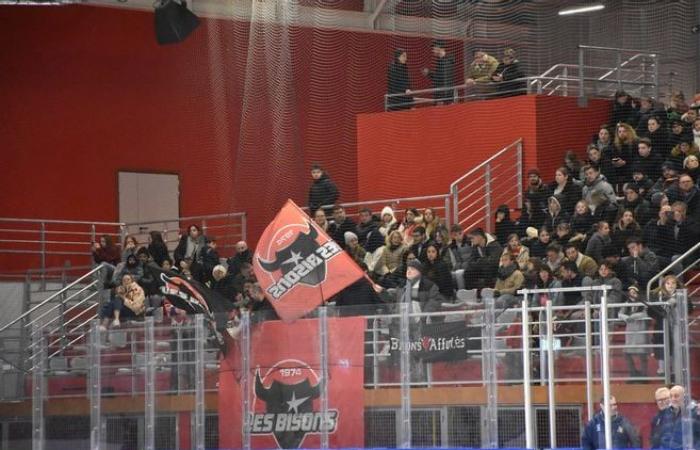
415 264
533 171
349 236
531 232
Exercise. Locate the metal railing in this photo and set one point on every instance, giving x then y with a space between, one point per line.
51 243
678 268
474 200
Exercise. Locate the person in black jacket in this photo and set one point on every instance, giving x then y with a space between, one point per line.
323 191
343 224
623 110
538 194
566 190
398 82
506 72
483 266
223 283
437 271
647 159
243 255
504 225
157 248
658 135
442 75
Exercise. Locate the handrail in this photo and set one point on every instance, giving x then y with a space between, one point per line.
53 296
670 266
180 219
616 49
496 155
387 201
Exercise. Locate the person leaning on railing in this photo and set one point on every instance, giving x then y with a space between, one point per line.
666 293
508 75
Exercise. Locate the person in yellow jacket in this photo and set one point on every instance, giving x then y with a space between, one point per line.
481 69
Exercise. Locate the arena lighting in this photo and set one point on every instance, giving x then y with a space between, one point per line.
581 9
173 21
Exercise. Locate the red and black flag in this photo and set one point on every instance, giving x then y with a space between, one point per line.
298 265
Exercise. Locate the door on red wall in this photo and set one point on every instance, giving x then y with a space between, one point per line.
150 202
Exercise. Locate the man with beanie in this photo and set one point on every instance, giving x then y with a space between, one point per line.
421 290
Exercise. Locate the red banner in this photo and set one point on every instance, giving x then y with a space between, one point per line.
298 265
284 386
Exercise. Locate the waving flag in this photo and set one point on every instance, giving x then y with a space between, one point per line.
298 265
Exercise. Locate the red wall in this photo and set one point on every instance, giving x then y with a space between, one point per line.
86 92
423 151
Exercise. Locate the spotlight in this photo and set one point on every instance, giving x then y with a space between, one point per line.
581 9
173 21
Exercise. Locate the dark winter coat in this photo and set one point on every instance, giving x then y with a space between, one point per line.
569 196
439 273
624 434
397 83
510 72
322 192
443 75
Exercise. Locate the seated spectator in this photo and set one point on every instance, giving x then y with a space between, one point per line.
554 214
343 224
585 264
411 220
481 68
691 166
442 240
685 230
261 308
519 251
130 247
367 231
437 271
647 159
128 301
245 275
566 190
132 267
571 278
604 276
105 251
563 234
459 248
243 255
210 259
223 282
354 249
509 280
322 221
157 248
554 258
322 192
634 202
623 109
636 337
504 226
603 210
391 256
582 221
668 180
573 166
594 183
538 194
599 240
420 243
623 150
688 193
677 134
625 229
641 182
538 247
430 223
647 109
190 247
686 147
388 221
602 142
547 280
483 265
625 435
640 266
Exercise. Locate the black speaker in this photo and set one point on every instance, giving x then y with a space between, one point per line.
173 21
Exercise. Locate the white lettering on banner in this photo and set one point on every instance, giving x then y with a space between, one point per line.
305 266
430 344
311 422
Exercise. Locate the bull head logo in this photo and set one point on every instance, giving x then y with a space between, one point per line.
296 253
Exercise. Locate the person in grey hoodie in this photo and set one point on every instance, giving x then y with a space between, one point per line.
599 240
596 183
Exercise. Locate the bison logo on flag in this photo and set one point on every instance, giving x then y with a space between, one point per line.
289 391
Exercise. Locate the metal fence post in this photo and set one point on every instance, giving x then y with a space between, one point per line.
527 390
589 362
150 384
38 387
323 382
581 88
42 237
448 215
455 203
656 77
618 62
404 438
204 226
199 338
519 168
245 379
487 197
551 377
491 379
95 385
244 227
605 366
681 357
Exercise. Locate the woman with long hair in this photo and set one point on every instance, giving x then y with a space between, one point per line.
623 150
437 271
625 228
566 190
157 248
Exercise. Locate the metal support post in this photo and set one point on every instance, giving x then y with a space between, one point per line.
95 385
491 378
487 197
244 227
667 350
550 377
581 88
245 379
404 438
455 203
199 338
519 168
448 216
323 382
565 89
589 362
619 70
42 238
38 387
527 390
605 365
681 358
204 226
376 346
149 394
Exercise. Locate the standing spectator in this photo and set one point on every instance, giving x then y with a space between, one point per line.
190 246
671 424
157 248
573 165
223 283
508 75
481 69
623 110
442 75
636 336
685 230
599 240
566 190
665 293
584 263
105 251
624 433
242 255
323 191
658 135
484 260
623 150
657 234
538 194
210 259
662 396
398 82
343 224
